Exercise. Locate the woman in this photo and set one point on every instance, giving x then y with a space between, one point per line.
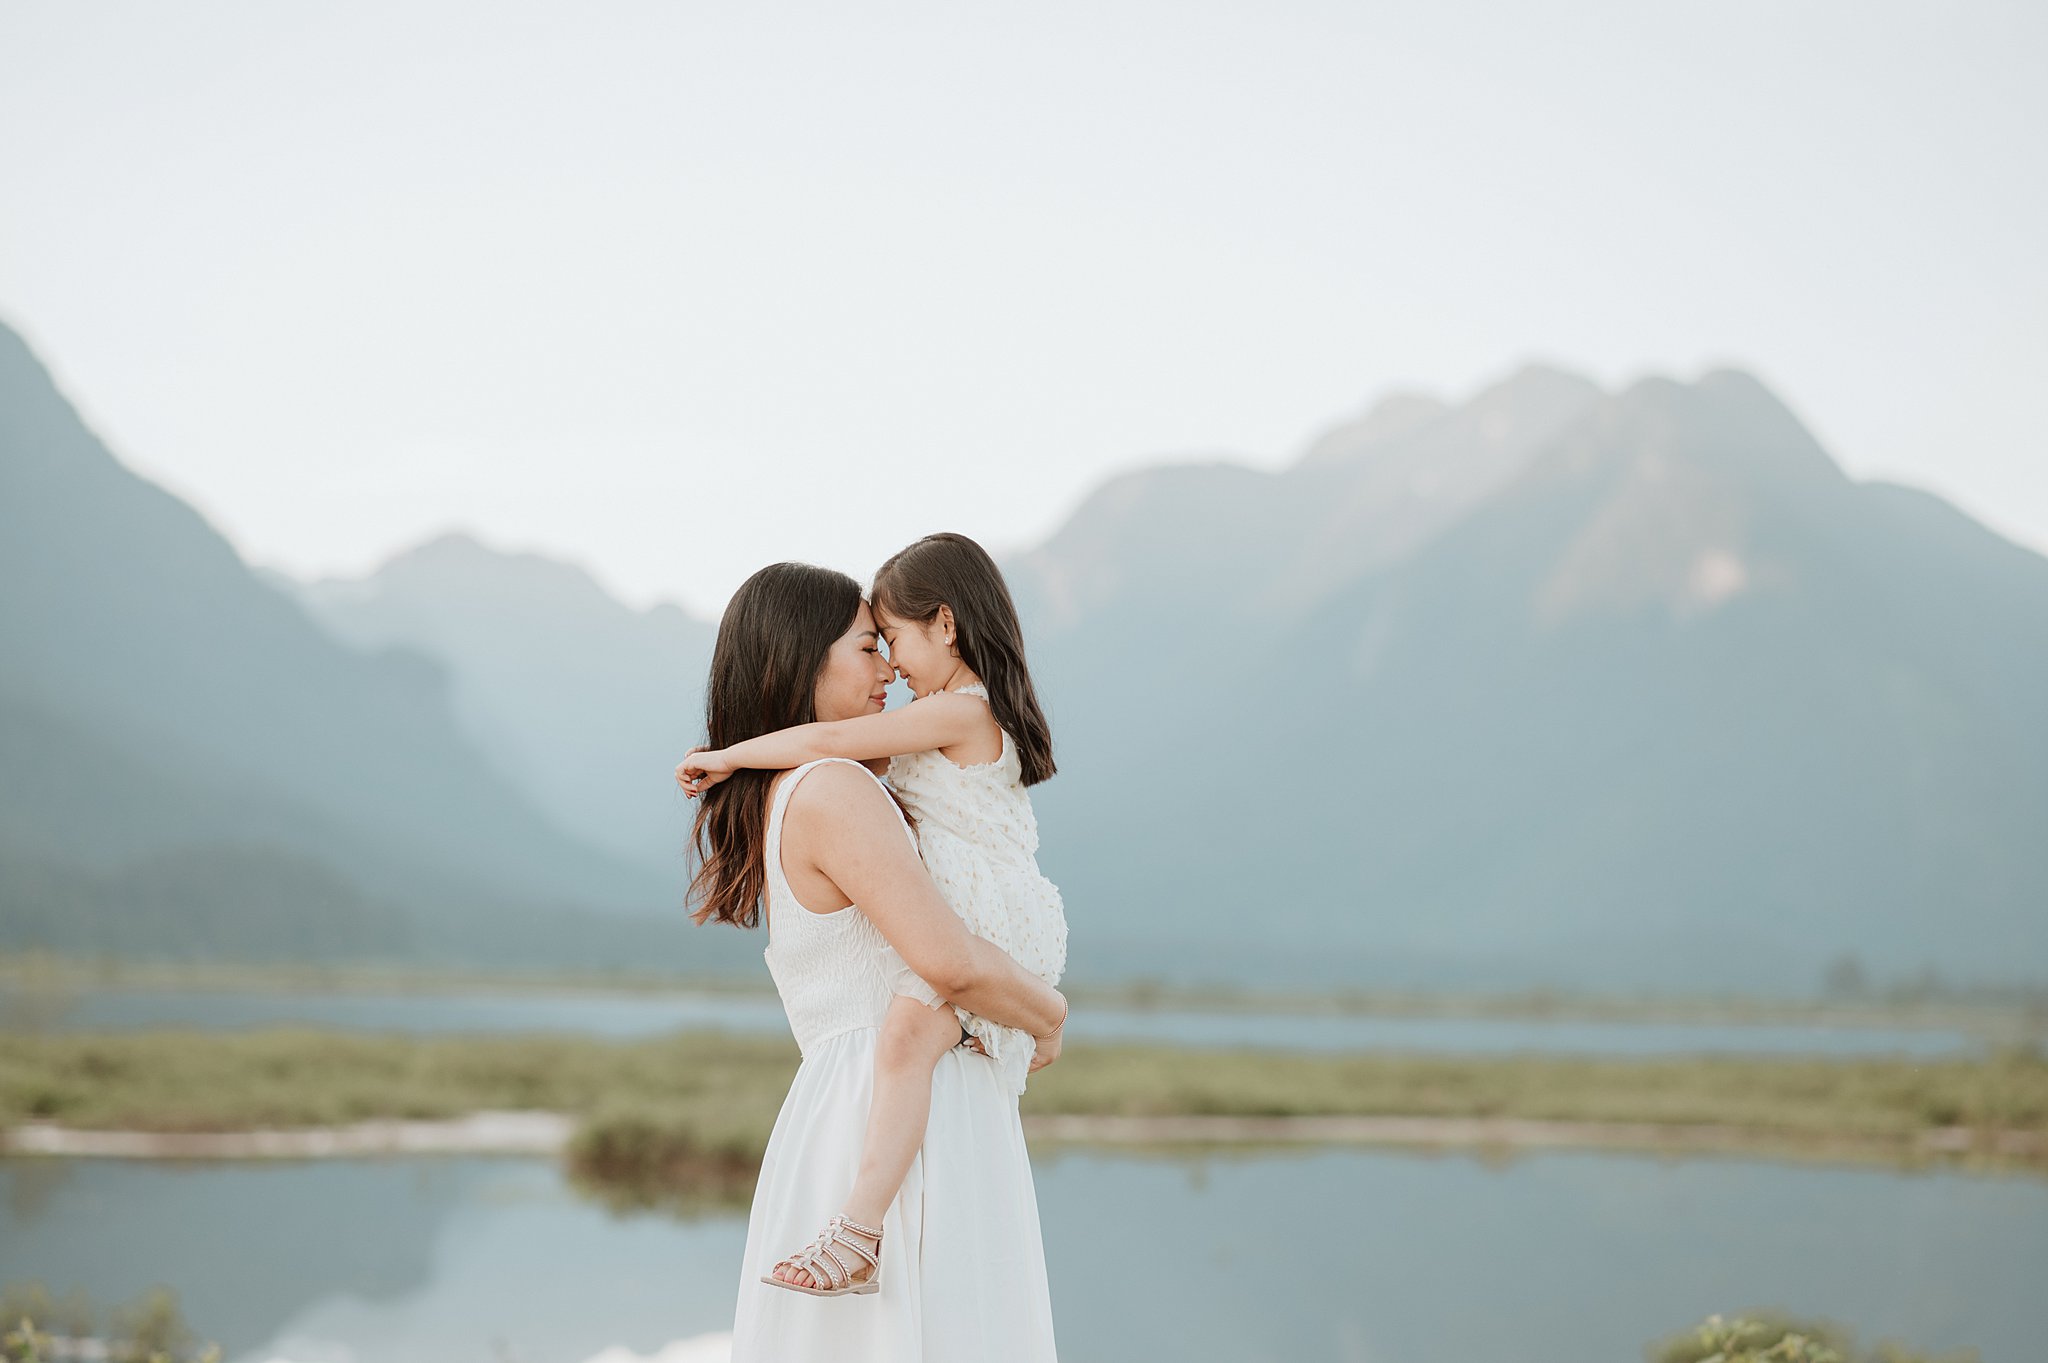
825 855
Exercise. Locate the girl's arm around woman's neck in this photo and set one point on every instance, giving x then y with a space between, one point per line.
932 722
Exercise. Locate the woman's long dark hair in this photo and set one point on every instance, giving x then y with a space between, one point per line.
772 643
952 570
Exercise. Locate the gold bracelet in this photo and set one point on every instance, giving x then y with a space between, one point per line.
1063 1019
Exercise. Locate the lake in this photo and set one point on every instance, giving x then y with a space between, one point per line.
1359 1256
635 1015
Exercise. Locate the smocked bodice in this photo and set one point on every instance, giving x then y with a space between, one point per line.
984 803
829 968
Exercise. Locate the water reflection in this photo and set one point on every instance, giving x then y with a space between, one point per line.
1343 1254
375 1259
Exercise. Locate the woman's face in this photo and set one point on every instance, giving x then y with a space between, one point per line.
855 680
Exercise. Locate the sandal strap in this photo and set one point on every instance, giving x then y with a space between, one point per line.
856 1247
869 1231
820 1262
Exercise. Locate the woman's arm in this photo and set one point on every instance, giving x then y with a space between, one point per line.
850 831
937 721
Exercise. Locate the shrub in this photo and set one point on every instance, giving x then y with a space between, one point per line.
1772 1337
148 1330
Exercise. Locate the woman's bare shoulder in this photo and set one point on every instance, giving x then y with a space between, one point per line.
840 817
837 792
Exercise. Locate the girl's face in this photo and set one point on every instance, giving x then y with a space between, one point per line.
919 650
855 679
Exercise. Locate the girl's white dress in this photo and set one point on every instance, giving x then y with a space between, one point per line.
979 839
963 1266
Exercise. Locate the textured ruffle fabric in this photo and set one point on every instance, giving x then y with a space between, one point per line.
979 839
963 1265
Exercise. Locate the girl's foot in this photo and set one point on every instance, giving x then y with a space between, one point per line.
845 1259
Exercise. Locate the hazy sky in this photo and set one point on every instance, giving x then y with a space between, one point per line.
677 289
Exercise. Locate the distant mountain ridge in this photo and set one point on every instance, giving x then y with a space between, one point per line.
1553 685
1549 685
182 742
588 704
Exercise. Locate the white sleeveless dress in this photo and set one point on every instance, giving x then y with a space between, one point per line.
979 839
963 1265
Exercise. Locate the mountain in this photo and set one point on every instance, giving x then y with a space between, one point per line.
584 702
1548 685
194 763
1553 685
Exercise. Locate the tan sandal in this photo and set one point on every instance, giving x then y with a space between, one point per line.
820 1260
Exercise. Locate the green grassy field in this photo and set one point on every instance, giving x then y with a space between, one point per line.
694 1109
183 1080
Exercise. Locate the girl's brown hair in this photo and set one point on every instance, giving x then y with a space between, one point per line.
772 643
952 570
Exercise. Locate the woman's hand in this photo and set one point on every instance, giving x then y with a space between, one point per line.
701 769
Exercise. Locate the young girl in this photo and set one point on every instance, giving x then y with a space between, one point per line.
959 757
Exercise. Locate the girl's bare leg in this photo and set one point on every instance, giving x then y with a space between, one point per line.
912 1041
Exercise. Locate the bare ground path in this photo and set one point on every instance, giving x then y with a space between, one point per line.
543 1133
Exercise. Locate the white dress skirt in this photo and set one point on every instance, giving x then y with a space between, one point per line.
963 1265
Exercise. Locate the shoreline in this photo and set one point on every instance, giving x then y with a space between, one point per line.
2009 1019
514 1132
